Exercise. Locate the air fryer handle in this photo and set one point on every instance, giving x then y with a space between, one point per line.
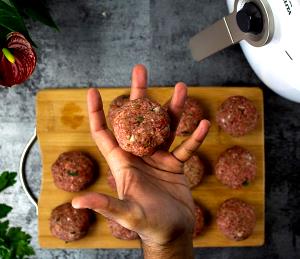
216 37
252 21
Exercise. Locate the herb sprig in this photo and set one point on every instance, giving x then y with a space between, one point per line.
14 243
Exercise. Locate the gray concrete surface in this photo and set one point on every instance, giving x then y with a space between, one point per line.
98 43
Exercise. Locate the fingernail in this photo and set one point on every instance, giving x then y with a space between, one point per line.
207 121
75 205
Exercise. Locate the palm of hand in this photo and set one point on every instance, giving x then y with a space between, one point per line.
159 196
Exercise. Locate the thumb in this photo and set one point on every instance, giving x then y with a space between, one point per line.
110 207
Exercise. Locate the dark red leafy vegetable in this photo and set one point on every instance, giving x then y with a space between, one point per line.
17 60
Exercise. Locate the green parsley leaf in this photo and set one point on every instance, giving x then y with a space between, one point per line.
14 243
4 252
7 2
7 179
19 242
4 210
139 119
72 173
3 228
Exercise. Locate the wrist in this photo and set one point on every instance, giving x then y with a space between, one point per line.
179 248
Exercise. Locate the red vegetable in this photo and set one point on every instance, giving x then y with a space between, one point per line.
17 60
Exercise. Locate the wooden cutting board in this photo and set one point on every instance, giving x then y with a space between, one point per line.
62 125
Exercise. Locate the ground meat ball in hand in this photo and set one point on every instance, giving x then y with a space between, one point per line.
115 106
199 220
236 219
236 167
191 116
141 127
70 224
73 171
120 232
193 169
237 116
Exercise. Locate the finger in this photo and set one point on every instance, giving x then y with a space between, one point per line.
163 160
138 82
101 203
186 149
176 105
103 137
175 109
110 207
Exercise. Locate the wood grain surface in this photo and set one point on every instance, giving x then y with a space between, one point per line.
62 125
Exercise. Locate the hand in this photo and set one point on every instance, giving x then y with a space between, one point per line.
154 198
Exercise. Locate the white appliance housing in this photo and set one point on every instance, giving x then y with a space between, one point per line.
277 60
277 64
